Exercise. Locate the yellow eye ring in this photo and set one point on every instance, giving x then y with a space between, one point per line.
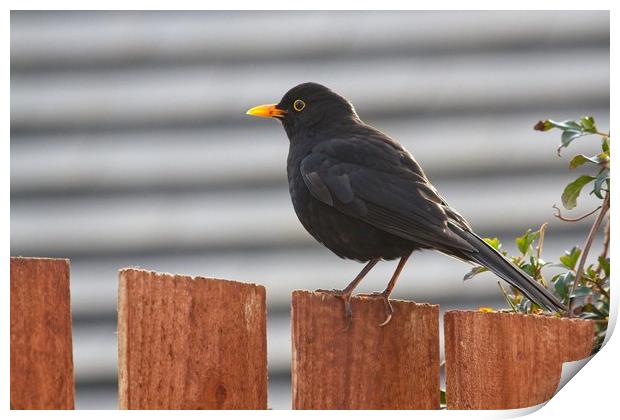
299 105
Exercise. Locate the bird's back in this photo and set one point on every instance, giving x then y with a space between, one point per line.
346 235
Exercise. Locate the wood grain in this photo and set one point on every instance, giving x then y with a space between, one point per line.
367 367
190 342
508 360
41 349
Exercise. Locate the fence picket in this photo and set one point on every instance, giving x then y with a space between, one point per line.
190 342
41 345
368 366
507 360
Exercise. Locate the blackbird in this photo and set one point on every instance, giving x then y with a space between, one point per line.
362 195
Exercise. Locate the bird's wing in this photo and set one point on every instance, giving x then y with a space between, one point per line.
380 184
374 179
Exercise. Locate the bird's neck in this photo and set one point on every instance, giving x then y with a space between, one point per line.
300 147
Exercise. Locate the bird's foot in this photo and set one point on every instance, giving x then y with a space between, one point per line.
384 296
345 296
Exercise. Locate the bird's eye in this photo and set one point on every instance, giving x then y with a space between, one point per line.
299 105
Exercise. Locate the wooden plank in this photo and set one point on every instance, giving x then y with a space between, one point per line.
41 350
366 367
190 342
508 360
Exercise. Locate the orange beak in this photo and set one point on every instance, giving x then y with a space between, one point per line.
266 111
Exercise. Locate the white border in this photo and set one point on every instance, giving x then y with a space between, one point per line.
591 394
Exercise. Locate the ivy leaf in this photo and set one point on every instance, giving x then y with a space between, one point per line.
474 272
569 259
572 191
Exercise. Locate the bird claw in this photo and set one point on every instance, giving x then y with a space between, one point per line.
389 310
345 296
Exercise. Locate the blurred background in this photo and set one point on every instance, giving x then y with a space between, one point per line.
130 146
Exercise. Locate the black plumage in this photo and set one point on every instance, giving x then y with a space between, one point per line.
363 195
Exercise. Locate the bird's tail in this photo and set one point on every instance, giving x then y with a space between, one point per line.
497 263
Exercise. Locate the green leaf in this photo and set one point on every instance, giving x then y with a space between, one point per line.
537 262
602 157
602 177
579 160
474 272
563 282
590 272
516 260
546 125
529 269
606 145
525 242
588 124
572 191
566 125
569 259
442 397
588 307
569 135
604 305
494 242
561 289
604 263
582 291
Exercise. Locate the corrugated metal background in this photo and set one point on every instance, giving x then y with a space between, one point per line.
130 147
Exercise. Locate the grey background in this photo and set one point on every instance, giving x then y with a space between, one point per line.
130 147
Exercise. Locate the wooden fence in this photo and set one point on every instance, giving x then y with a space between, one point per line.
200 343
41 346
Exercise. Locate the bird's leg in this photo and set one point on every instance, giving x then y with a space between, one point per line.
345 294
385 295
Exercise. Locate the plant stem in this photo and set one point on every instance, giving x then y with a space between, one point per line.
605 251
606 241
510 302
577 219
541 239
539 249
586 250
600 288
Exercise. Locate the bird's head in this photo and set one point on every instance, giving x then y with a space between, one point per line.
308 106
